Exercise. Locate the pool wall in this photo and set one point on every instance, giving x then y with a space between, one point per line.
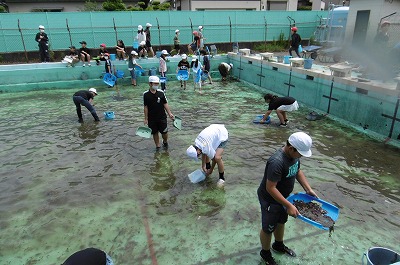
371 107
39 76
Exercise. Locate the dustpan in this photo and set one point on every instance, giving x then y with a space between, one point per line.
178 123
143 132
109 79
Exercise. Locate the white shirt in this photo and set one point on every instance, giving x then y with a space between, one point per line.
210 138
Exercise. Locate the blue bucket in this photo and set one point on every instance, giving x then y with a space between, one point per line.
109 115
120 74
158 54
382 256
153 71
308 63
113 57
135 45
286 59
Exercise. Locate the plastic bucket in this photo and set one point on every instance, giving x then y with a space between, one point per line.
308 63
135 45
109 115
381 256
286 59
158 54
279 59
197 176
120 74
113 56
153 71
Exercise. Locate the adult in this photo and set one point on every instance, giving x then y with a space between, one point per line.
148 40
224 69
89 256
210 144
84 53
102 51
295 42
183 65
281 105
43 43
281 171
194 46
201 37
85 98
155 104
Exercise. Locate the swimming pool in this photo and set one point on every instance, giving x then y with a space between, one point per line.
66 186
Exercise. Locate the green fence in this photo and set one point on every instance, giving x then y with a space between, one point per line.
18 30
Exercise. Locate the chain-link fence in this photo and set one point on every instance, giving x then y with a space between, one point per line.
18 30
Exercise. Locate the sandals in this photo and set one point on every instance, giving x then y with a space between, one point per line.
283 250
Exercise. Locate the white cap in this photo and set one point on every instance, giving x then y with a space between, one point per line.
142 43
154 79
177 30
184 56
134 53
41 27
200 27
192 152
140 27
194 57
93 90
148 25
164 52
231 65
302 142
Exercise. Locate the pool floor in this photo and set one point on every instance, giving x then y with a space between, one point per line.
66 186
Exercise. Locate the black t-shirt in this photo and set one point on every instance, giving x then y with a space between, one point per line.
281 169
296 39
206 63
89 256
108 64
102 52
85 94
73 53
279 101
183 65
87 50
155 105
43 39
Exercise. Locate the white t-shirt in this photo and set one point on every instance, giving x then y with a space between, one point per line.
210 138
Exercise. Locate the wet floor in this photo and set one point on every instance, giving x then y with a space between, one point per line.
67 186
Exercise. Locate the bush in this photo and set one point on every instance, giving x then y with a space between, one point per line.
114 5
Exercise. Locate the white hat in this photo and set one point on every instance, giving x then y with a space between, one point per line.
93 90
194 57
200 27
231 65
142 43
140 27
177 30
134 53
148 25
154 79
302 142
41 27
184 56
164 52
192 152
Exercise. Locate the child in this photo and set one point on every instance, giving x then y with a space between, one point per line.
72 58
142 50
194 46
120 48
182 66
176 48
107 65
196 67
163 67
131 66
206 65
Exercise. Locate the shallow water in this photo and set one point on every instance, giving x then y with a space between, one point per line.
66 186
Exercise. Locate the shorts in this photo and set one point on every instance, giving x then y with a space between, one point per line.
148 44
193 46
177 47
292 107
271 215
222 144
158 126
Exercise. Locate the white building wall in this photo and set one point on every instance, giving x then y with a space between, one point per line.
227 5
378 9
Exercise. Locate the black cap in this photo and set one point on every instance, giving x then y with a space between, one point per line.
72 47
82 42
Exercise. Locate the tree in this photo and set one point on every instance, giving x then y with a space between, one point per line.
114 5
91 6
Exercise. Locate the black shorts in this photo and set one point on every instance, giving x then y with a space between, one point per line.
158 126
176 47
148 44
271 215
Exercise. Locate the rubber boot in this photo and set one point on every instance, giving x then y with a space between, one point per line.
79 116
